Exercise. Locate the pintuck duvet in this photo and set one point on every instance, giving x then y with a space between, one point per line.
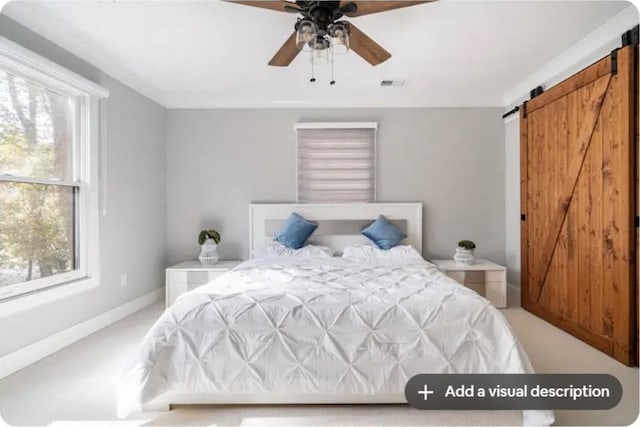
308 328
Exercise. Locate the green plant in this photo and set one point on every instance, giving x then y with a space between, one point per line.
467 244
208 234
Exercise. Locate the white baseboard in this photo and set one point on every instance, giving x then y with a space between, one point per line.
513 295
27 355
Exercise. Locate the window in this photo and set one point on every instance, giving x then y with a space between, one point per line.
48 173
336 162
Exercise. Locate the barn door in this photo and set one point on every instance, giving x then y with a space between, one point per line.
577 201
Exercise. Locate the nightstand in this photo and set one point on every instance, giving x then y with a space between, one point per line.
485 277
188 275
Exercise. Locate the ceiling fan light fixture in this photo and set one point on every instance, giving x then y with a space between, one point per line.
320 56
315 18
306 33
339 33
320 52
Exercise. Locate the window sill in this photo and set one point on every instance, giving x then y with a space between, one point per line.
28 302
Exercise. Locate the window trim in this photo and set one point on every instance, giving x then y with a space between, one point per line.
341 125
47 72
336 125
29 65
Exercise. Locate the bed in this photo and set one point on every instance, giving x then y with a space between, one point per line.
292 330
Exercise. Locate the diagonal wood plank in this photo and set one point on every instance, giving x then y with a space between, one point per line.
559 211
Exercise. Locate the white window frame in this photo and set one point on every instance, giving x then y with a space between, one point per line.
343 125
25 64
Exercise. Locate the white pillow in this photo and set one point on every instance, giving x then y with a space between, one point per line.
367 253
277 249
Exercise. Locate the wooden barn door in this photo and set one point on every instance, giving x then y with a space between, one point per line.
578 204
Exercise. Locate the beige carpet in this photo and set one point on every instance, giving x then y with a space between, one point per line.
330 415
76 387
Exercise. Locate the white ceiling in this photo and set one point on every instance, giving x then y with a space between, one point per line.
195 54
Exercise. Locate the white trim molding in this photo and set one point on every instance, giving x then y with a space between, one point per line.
30 64
509 119
513 295
48 295
86 94
320 166
55 28
19 359
336 125
588 50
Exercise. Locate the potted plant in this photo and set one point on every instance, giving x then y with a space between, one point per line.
465 252
208 241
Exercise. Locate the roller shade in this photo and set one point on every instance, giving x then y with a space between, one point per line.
336 164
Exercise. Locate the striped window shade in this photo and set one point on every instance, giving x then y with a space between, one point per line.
336 162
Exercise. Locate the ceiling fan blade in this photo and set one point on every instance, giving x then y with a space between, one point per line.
286 53
279 5
364 46
348 7
369 7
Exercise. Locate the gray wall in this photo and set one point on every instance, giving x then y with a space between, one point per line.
451 160
132 235
219 161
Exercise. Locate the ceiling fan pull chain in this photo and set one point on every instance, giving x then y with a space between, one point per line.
313 74
332 82
318 25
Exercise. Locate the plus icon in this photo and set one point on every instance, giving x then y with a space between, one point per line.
426 392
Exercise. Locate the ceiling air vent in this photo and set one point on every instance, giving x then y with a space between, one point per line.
394 83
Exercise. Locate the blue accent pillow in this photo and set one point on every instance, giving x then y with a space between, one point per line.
383 233
295 231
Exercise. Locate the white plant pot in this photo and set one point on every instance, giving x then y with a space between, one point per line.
465 256
209 252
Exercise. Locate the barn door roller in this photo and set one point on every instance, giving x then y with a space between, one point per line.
630 37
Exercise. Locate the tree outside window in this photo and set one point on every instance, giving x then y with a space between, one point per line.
38 187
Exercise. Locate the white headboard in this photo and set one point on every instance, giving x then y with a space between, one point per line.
339 224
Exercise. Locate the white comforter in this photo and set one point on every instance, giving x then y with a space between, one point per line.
301 326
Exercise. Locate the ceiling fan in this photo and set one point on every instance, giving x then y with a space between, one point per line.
320 31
